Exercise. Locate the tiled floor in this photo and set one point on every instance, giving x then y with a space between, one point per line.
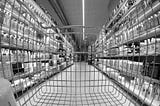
79 85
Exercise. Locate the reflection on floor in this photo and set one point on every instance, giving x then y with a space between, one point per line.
79 85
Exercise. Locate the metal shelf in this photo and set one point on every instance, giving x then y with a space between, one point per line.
127 13
130 74
129 56
21 93
123 4
151 33
132 89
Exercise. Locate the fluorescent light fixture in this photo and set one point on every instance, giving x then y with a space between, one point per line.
83 16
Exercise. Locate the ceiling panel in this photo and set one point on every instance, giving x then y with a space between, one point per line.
95 15
73 12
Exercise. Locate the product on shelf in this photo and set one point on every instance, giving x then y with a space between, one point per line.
26 47
132 48
18 85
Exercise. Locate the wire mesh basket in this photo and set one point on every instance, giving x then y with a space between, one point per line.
76 86
120 69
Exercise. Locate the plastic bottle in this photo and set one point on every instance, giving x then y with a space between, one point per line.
14 23
6 20
152 21
5 38
150 91
156 20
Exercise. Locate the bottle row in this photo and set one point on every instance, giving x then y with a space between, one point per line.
19 26
139 13
141 5
12 70
146 47
19 20
121 9
17 8
139 85
23 56
23 83
16 70
45 71
137 31
27 43
135 24
141 30
132 68
22 29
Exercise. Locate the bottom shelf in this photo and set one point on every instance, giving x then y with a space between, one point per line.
142 92
20 89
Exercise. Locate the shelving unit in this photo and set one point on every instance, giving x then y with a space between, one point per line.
30 47
131 88
127 49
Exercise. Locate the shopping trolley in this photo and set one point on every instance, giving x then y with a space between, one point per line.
45 68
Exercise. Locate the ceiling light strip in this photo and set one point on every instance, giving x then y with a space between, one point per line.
83 12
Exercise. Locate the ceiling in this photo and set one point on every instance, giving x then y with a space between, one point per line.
96 14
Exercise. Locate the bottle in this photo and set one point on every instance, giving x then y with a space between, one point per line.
157 92
28 17
26 30
12 40
27 56
3 55
26 43
19 27
157 41
140 83
7 55
14 55
11 56
152 24
14 23
150 91
19 53
149 23
145 47
158 16
7 18
145 87
30 44
156 20
18 41
145 24
6 38
151 46
22 28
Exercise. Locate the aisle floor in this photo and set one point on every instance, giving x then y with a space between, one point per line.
79 85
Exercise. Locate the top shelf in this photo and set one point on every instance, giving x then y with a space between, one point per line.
148 12
123 4
127 13
132 8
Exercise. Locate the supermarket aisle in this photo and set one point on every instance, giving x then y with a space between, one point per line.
79 85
